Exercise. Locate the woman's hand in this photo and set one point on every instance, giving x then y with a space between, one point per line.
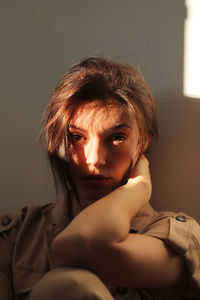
140 174
141 168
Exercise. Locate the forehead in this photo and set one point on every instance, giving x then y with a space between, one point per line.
100 114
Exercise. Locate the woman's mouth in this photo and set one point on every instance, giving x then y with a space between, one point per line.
96 180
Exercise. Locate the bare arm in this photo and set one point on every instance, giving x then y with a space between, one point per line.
110 216
5 288
98 239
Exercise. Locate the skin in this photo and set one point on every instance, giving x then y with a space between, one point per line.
98 237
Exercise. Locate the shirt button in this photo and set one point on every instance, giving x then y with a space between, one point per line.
6 221
181 218
121 290
132 230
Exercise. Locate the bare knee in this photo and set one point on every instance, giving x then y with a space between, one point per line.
70 283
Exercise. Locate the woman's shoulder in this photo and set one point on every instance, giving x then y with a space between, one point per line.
181 233
12 221
8 221
29 216
25 240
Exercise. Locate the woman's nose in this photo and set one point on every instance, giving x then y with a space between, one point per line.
95 153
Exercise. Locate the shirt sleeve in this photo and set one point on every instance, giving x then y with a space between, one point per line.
182 234
7 238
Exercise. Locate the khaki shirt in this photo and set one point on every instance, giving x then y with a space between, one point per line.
26 255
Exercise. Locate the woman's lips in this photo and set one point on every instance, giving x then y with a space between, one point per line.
96 180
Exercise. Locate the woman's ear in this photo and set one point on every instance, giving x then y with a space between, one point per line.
138 151
146 143
141 148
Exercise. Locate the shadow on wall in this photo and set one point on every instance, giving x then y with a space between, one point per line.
39 40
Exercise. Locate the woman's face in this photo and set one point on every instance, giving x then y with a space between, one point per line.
102 147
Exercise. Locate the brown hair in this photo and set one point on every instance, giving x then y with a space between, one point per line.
95 78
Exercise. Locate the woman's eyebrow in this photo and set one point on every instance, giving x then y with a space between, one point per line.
119 126
76 127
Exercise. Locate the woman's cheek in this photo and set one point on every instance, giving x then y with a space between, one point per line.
123 157
75 154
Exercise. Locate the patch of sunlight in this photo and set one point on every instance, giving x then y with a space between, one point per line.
191 84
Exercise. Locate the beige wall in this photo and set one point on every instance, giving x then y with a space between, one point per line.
41 39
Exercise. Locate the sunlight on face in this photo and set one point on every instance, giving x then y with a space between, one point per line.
102 146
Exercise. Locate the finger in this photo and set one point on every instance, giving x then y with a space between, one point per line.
142 167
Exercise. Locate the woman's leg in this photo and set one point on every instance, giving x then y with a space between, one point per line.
70 283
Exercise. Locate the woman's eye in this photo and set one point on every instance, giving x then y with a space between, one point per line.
75 137
118 138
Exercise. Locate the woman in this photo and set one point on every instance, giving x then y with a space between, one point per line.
103 240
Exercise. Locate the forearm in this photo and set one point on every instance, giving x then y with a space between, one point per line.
139 261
